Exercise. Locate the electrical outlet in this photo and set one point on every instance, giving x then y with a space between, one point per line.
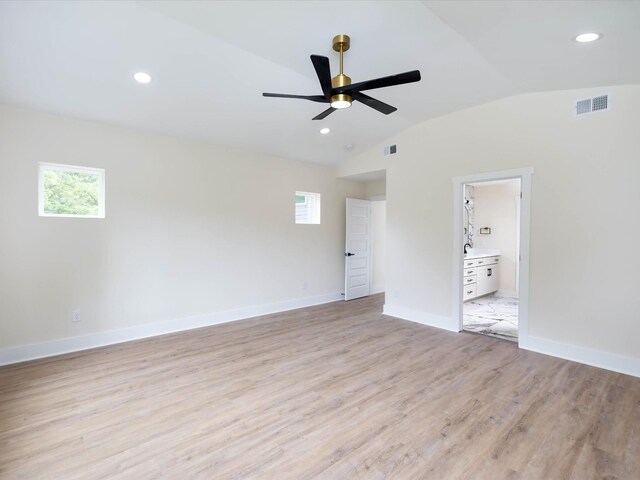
75 316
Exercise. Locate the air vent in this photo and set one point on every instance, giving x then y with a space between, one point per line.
390 150
583 106
600 103
591 105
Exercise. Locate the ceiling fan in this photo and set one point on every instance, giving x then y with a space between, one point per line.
340 92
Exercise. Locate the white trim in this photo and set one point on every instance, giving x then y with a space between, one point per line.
499 175
42 166
524 174
588 356
71 168
377 289
424 318
518 200
73 344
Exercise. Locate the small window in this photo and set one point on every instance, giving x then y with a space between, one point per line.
307 207
70 191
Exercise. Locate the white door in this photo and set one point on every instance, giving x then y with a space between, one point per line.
357 255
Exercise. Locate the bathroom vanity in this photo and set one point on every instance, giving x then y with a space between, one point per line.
481 273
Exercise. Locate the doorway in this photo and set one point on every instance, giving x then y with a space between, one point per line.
365 244
490 225
365 231
484 301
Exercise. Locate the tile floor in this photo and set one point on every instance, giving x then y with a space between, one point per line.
492 315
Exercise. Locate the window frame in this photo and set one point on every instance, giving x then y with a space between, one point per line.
43 166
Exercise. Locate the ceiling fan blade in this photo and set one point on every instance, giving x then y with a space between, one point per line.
373 103
399 79
313 98
324 114
323 70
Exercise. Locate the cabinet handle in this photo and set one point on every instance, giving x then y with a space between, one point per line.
469 272
469 292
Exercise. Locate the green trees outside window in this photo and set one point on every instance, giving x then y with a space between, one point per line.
71 191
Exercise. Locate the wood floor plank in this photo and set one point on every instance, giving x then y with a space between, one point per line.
335 391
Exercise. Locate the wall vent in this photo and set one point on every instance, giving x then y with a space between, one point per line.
591 105
390 150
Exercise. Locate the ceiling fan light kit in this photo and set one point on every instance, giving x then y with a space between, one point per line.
339 92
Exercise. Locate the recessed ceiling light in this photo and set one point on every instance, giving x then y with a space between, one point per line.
324 131
587 37
142 77
349 146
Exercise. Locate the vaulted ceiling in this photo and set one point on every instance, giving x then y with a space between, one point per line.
211 61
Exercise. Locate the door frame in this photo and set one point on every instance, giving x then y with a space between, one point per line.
524 174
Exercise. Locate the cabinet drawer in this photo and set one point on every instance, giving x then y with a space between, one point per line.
471 279
469 292
469 263
486 261
469 271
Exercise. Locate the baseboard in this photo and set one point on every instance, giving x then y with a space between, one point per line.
73 344
377 288
588 356
424 318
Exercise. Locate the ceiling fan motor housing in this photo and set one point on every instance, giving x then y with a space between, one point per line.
340 80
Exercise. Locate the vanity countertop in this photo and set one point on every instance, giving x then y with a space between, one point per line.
481 252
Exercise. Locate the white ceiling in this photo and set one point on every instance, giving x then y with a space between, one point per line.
211 61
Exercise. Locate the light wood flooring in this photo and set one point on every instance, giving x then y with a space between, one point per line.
337 391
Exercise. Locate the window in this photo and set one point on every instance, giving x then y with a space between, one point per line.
307 207
69 191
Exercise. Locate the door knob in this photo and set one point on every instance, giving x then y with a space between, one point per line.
349 254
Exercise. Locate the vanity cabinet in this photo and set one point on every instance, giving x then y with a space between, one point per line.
480 276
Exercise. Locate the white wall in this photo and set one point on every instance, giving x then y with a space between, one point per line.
495 207
378 228
583 290
191 229
375 189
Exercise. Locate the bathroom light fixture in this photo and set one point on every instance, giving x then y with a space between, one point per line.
324 131
587 37
142 77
